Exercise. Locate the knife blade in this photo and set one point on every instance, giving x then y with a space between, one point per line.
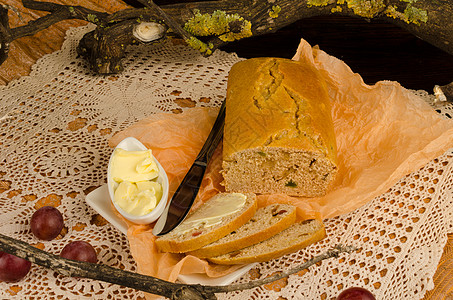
182 200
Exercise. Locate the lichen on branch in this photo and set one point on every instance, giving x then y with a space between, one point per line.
372 8
273 13
410 15
204 48
227 27
208 25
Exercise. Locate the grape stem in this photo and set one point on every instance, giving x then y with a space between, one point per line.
149 284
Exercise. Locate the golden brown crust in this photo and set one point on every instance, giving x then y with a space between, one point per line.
261 104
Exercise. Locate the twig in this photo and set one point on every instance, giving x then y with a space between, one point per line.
14 10
335 252
168 20
58 13
102 272
188 38
141 282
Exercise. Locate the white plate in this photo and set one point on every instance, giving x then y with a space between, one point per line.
99 200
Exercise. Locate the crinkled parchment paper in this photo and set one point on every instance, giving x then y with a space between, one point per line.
383 132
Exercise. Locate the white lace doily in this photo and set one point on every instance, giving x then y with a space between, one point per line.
54 128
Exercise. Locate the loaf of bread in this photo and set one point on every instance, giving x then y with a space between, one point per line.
278 135
217 217
266 222
292 239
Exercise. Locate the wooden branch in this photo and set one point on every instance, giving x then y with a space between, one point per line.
104 48
335 252
207 25
58 13
5 34
141 282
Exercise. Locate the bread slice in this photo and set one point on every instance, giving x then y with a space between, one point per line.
266 222
278 135
217 217
296 237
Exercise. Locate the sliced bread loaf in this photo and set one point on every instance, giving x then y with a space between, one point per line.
217 217
266 222
296 237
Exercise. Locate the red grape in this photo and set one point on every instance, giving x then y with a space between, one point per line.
13 268
355 293
79 250
46 223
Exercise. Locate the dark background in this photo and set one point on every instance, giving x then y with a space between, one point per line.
376 50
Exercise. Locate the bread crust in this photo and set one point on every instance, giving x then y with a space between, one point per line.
169 244
219 247
275 249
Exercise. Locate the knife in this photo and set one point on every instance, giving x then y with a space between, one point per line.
182 200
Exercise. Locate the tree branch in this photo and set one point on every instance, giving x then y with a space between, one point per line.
58 13
141 282
335 252
5 34
207 25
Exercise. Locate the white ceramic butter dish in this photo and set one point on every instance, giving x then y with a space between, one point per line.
132 144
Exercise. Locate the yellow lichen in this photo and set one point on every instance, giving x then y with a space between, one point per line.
246 31
410 14
218 24
363 8
199 45
415 15
336 9
273 13
391 11
366 9
318 2
372 8
92 18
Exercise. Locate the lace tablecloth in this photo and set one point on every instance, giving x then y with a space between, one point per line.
54 128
